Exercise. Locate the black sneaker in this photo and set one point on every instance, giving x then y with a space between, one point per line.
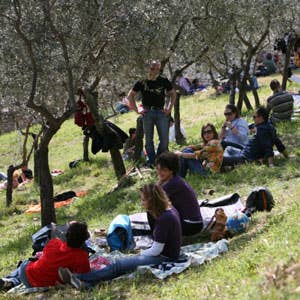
5 285
67 276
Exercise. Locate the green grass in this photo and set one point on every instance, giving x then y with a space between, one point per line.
255 266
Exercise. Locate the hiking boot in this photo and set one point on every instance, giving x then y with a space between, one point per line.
5 285
67 276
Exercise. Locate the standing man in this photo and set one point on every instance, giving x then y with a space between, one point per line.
153 91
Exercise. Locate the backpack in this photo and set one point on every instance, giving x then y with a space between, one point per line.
260 199
40 238
119 234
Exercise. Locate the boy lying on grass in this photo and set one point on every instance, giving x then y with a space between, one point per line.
43 271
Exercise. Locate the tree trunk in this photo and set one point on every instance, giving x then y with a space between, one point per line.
115 153
9 188
117 161
213 80
232 92
178 134
85 148
254 92
290 46
247 102
36 166
46 186
139 139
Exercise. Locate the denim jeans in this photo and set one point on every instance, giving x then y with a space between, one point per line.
225 144
233 160
3 176
194 165
159 119
18 276
120 267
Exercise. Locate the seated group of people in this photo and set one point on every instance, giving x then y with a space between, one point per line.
233 145
18 179
171 205
187 87
173 212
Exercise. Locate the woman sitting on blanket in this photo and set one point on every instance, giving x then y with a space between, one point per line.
43 271
180 193
204 158
165 248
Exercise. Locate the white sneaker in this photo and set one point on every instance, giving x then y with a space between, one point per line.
67 276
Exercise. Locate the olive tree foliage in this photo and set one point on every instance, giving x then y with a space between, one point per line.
49 49
287 26
236 32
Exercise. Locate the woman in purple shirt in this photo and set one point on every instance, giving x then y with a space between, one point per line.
166 242
180 193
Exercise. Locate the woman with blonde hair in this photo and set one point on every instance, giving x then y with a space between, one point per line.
166 242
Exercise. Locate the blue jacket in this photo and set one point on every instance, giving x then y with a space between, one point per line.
261 145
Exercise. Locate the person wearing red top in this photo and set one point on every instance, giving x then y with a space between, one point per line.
44 271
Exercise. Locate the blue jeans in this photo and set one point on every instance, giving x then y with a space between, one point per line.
120 267
161 121
3 176
194 165
18 276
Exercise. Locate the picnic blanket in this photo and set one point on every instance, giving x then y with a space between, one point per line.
190 256
195 255
35 208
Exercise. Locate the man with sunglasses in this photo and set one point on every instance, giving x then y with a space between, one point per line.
153 90
260 146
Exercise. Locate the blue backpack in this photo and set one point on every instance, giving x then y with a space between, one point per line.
119 234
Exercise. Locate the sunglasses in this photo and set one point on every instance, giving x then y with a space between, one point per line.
207 131
227 113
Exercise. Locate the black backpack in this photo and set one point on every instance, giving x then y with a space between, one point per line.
260 199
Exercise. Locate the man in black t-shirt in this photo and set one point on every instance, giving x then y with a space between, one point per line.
153 91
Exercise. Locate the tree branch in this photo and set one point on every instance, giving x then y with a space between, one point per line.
174 44
60 37
28 45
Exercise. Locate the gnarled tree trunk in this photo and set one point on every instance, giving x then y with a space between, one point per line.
115 153
46 186
85 148
178 134
9 187
287 58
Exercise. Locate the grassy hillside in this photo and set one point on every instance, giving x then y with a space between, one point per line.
257 263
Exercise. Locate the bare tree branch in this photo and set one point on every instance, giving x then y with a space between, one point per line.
60 37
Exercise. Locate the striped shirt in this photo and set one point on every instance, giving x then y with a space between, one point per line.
281 104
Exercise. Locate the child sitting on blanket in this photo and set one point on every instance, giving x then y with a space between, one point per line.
43 272
165 248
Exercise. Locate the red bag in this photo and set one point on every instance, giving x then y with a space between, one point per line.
82 117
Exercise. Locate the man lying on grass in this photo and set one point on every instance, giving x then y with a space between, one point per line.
165 248
43 272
